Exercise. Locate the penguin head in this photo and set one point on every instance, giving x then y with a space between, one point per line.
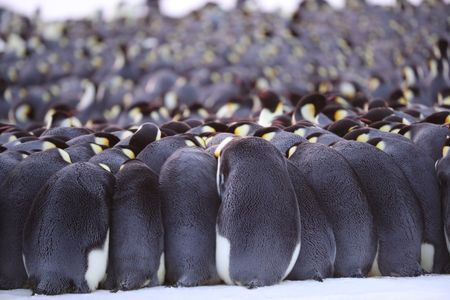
292 150
384 125
348 89
267 133
228 110
313 137
374 82
220 147
344 126
379 143
397 99
209 127
216 139
360 135
128 151
244 128
377 103
336 112
105 139
282 121
441 117
49 142
377 114
410 75
309 107
440 49
145 134
446 148
397 127
271 107
23 113
63 119
444 98
174 127
64 155
62 108
301 128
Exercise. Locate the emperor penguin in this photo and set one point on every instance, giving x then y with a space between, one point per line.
136 252
258 224
189 206
17 192
399 228
66 234
341 197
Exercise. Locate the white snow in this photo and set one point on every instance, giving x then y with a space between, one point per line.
426 287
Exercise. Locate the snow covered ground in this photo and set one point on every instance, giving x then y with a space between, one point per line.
431 287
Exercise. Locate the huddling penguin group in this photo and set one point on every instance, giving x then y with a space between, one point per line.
240 147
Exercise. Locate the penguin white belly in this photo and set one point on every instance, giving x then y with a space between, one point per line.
161 270
427 257
293 261
97 262
223 258
375 270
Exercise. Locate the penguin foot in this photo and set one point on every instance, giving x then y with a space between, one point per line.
446 269
357 275
53 286
8 284
253 284
317 277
